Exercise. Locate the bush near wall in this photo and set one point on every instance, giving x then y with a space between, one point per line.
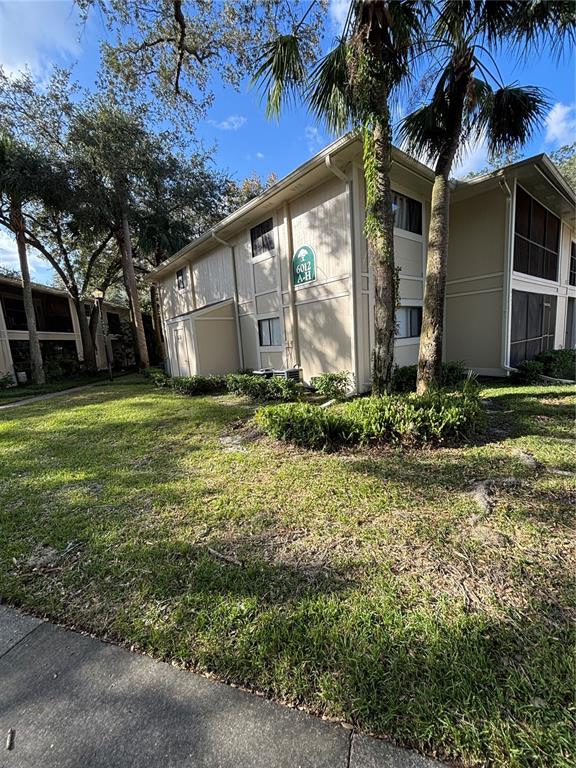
559 363
404 378
556 363
198 385
408 419
334 386
257 388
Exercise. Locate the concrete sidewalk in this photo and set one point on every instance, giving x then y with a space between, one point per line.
75 702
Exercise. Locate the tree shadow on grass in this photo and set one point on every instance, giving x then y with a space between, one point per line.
439 677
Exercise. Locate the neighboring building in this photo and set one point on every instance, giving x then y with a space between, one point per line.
285 281
58 331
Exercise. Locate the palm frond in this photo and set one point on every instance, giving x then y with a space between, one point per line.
280 72
328 94
423 132
511 115
543 23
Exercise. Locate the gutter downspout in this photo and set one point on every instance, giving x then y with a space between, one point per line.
235 279
339 173
291 290
507 295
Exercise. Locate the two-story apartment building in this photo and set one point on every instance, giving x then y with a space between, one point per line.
285 281
58 330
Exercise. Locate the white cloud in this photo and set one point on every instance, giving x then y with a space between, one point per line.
231 123
259 155
315 140
37 34
474 158
39 270
561 124
338 13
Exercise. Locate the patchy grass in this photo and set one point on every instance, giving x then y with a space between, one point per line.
364 585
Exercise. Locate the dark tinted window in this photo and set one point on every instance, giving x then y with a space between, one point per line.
572 275
181 279
407 213
262 238
113 320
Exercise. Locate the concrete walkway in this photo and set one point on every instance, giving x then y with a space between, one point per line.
69 701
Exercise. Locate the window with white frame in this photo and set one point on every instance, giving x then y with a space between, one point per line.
572 273
181 279
408 322
269 332
407 213
262 238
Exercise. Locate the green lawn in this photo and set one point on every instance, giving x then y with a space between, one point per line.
364 585
24 391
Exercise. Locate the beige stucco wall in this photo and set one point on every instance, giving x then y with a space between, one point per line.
474 292
221 357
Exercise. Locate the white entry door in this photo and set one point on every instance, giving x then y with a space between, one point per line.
182 351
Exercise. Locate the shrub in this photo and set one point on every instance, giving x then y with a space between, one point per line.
452 376
198 385
559 363
259 388
432 418
528 372
302 424
157 376
6 381
334 386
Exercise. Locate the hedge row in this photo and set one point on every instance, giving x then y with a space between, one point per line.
408 419
257 388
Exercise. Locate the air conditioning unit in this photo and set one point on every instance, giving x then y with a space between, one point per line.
289 373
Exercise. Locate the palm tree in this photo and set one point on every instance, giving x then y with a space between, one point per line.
465 107
352 87
20 180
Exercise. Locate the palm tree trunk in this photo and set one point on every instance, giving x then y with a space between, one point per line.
157 323
87 340
125 246
36 364
380 238
432 333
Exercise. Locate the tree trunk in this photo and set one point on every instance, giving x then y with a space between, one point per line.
36 364
125 246
380 237
159 340
87 340
432 333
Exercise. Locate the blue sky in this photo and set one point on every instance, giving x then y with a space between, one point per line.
40 33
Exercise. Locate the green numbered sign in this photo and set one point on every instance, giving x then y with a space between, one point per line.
304 265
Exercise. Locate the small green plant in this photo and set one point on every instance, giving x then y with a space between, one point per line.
6 381
334 386
261 389
452 376
157 376
198 385
528 372
559 363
